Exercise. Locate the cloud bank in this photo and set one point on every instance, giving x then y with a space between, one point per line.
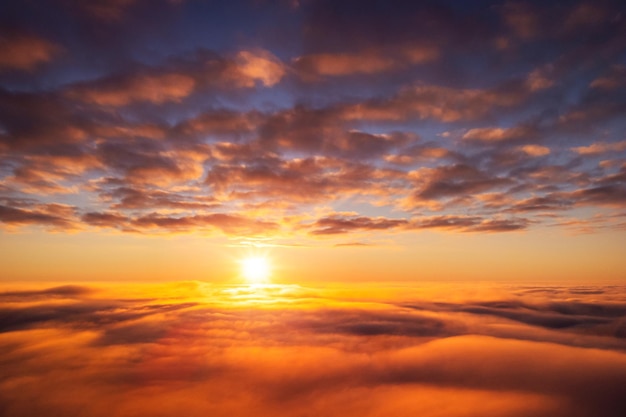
202 349
498 117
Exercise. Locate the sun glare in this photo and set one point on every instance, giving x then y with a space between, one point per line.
255 270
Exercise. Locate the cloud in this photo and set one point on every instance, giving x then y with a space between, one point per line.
155 89
498 134
521 19
609 195
134 198
502 350
343 64
615 78
455 116
260 65
63 291
40 121
548 203
535 150
227 223
367 62
469 223
149 162
453 180
336 224
180 76
50 174
219 123
440 103
352 244
54 216
600 148
25 52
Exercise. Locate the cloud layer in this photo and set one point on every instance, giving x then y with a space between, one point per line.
293 351
356 118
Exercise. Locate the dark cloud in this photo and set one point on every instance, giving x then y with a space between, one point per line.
50 215
459 179
31 120
227 223
440 103
353 244
367 323
337 224
133 198
64 291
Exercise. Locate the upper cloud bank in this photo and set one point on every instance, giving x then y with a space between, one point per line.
490 117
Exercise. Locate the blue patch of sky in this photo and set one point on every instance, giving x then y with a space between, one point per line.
264 99
229 26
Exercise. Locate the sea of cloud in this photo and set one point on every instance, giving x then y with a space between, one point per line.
199 349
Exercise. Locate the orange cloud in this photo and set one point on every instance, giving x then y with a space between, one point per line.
155 88
53 216
600 148
538 80
615 78
535 150
372 61
45 174
344 64
231 224
498 134
445 104
259 65
502 351
25 52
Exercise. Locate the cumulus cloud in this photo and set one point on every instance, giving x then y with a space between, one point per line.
162 134
260 65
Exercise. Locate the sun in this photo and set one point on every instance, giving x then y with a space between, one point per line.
255 270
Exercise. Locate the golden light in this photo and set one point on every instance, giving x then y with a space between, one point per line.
255 269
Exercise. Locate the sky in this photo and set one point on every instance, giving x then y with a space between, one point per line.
303 208
347 141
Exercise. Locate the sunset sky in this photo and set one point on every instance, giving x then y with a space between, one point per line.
312 208
346 141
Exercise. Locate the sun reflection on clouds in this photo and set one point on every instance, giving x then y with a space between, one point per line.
268 349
